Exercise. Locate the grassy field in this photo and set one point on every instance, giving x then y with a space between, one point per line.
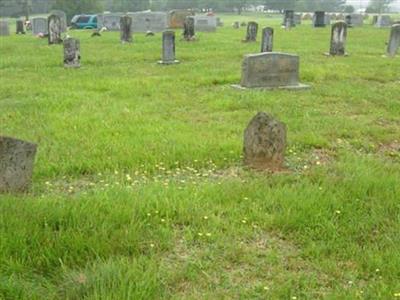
139 191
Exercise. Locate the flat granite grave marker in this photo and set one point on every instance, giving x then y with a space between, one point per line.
55 28
4 28
168 48
252 31
39 26
188 29
20 27
338 39
17 159
264 143
267 39
126 29
394 40
270 70
72 56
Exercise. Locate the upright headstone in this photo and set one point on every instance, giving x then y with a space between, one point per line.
20 27
297 19
126 29
264 143
219 22
383 21
188 29
374 19
267 39
338 39
55 29
288 19
319 19
63 17
252 31
16 164
270 70
205 23
236 25
354 20
394 40
176 18
39 26
72 55
4 28
149 21
168 48
110 21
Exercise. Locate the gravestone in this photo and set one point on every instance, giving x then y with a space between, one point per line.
270 70
319 19
328 19
55 28
354 20
264 143
374 20
205 23
126 29
176 18
111 21
288 19
297 19
72 56
236 25
17 159
168 48
4 28
149 21
219 22
394 40
338 39
63 17
188 29
267 39
252 31
383 21
20 27
39 26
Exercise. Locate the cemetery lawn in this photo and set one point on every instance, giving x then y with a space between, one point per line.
139 191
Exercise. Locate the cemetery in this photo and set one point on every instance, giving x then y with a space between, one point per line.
182 154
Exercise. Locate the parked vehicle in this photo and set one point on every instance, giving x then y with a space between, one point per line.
84 22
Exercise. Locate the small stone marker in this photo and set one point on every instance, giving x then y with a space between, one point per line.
72 56
252 30
20 27
319 19
338 39
188 29
236 25
288 19
168 48
264 143
126 29
394 40
17 159
267 39
55 29
4 28
270 70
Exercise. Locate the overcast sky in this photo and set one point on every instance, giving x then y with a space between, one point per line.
364 3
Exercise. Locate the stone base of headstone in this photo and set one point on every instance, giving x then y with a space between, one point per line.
174 62
330 55
299 86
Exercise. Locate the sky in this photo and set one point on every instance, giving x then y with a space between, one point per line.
364 3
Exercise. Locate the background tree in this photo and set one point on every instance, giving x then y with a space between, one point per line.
74 7
378 6
348 9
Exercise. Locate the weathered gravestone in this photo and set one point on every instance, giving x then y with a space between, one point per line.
394 40
297 19
205 23
176 18
219 22
168 48
319 19
288 19
63 18
20 27
270 70
264 143
236 25
338 39
267 39
16 164
4 28
383 21
39 26
72 55
110 21
252 31
188 29
149 21
55 29
354 20
126 29
374 19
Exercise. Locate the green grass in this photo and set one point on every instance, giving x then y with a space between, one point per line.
139 191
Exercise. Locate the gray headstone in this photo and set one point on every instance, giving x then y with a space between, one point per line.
72 55
264 143
354 20
63 17
168 48
394 40
4 28
338 39
20 27
297 19
126 29
149 21
319 19
267 39
236 25
55 29
205 23
374 19
16 164
252 31
39 26
288 19
383 21
111 21
271 70
188 29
